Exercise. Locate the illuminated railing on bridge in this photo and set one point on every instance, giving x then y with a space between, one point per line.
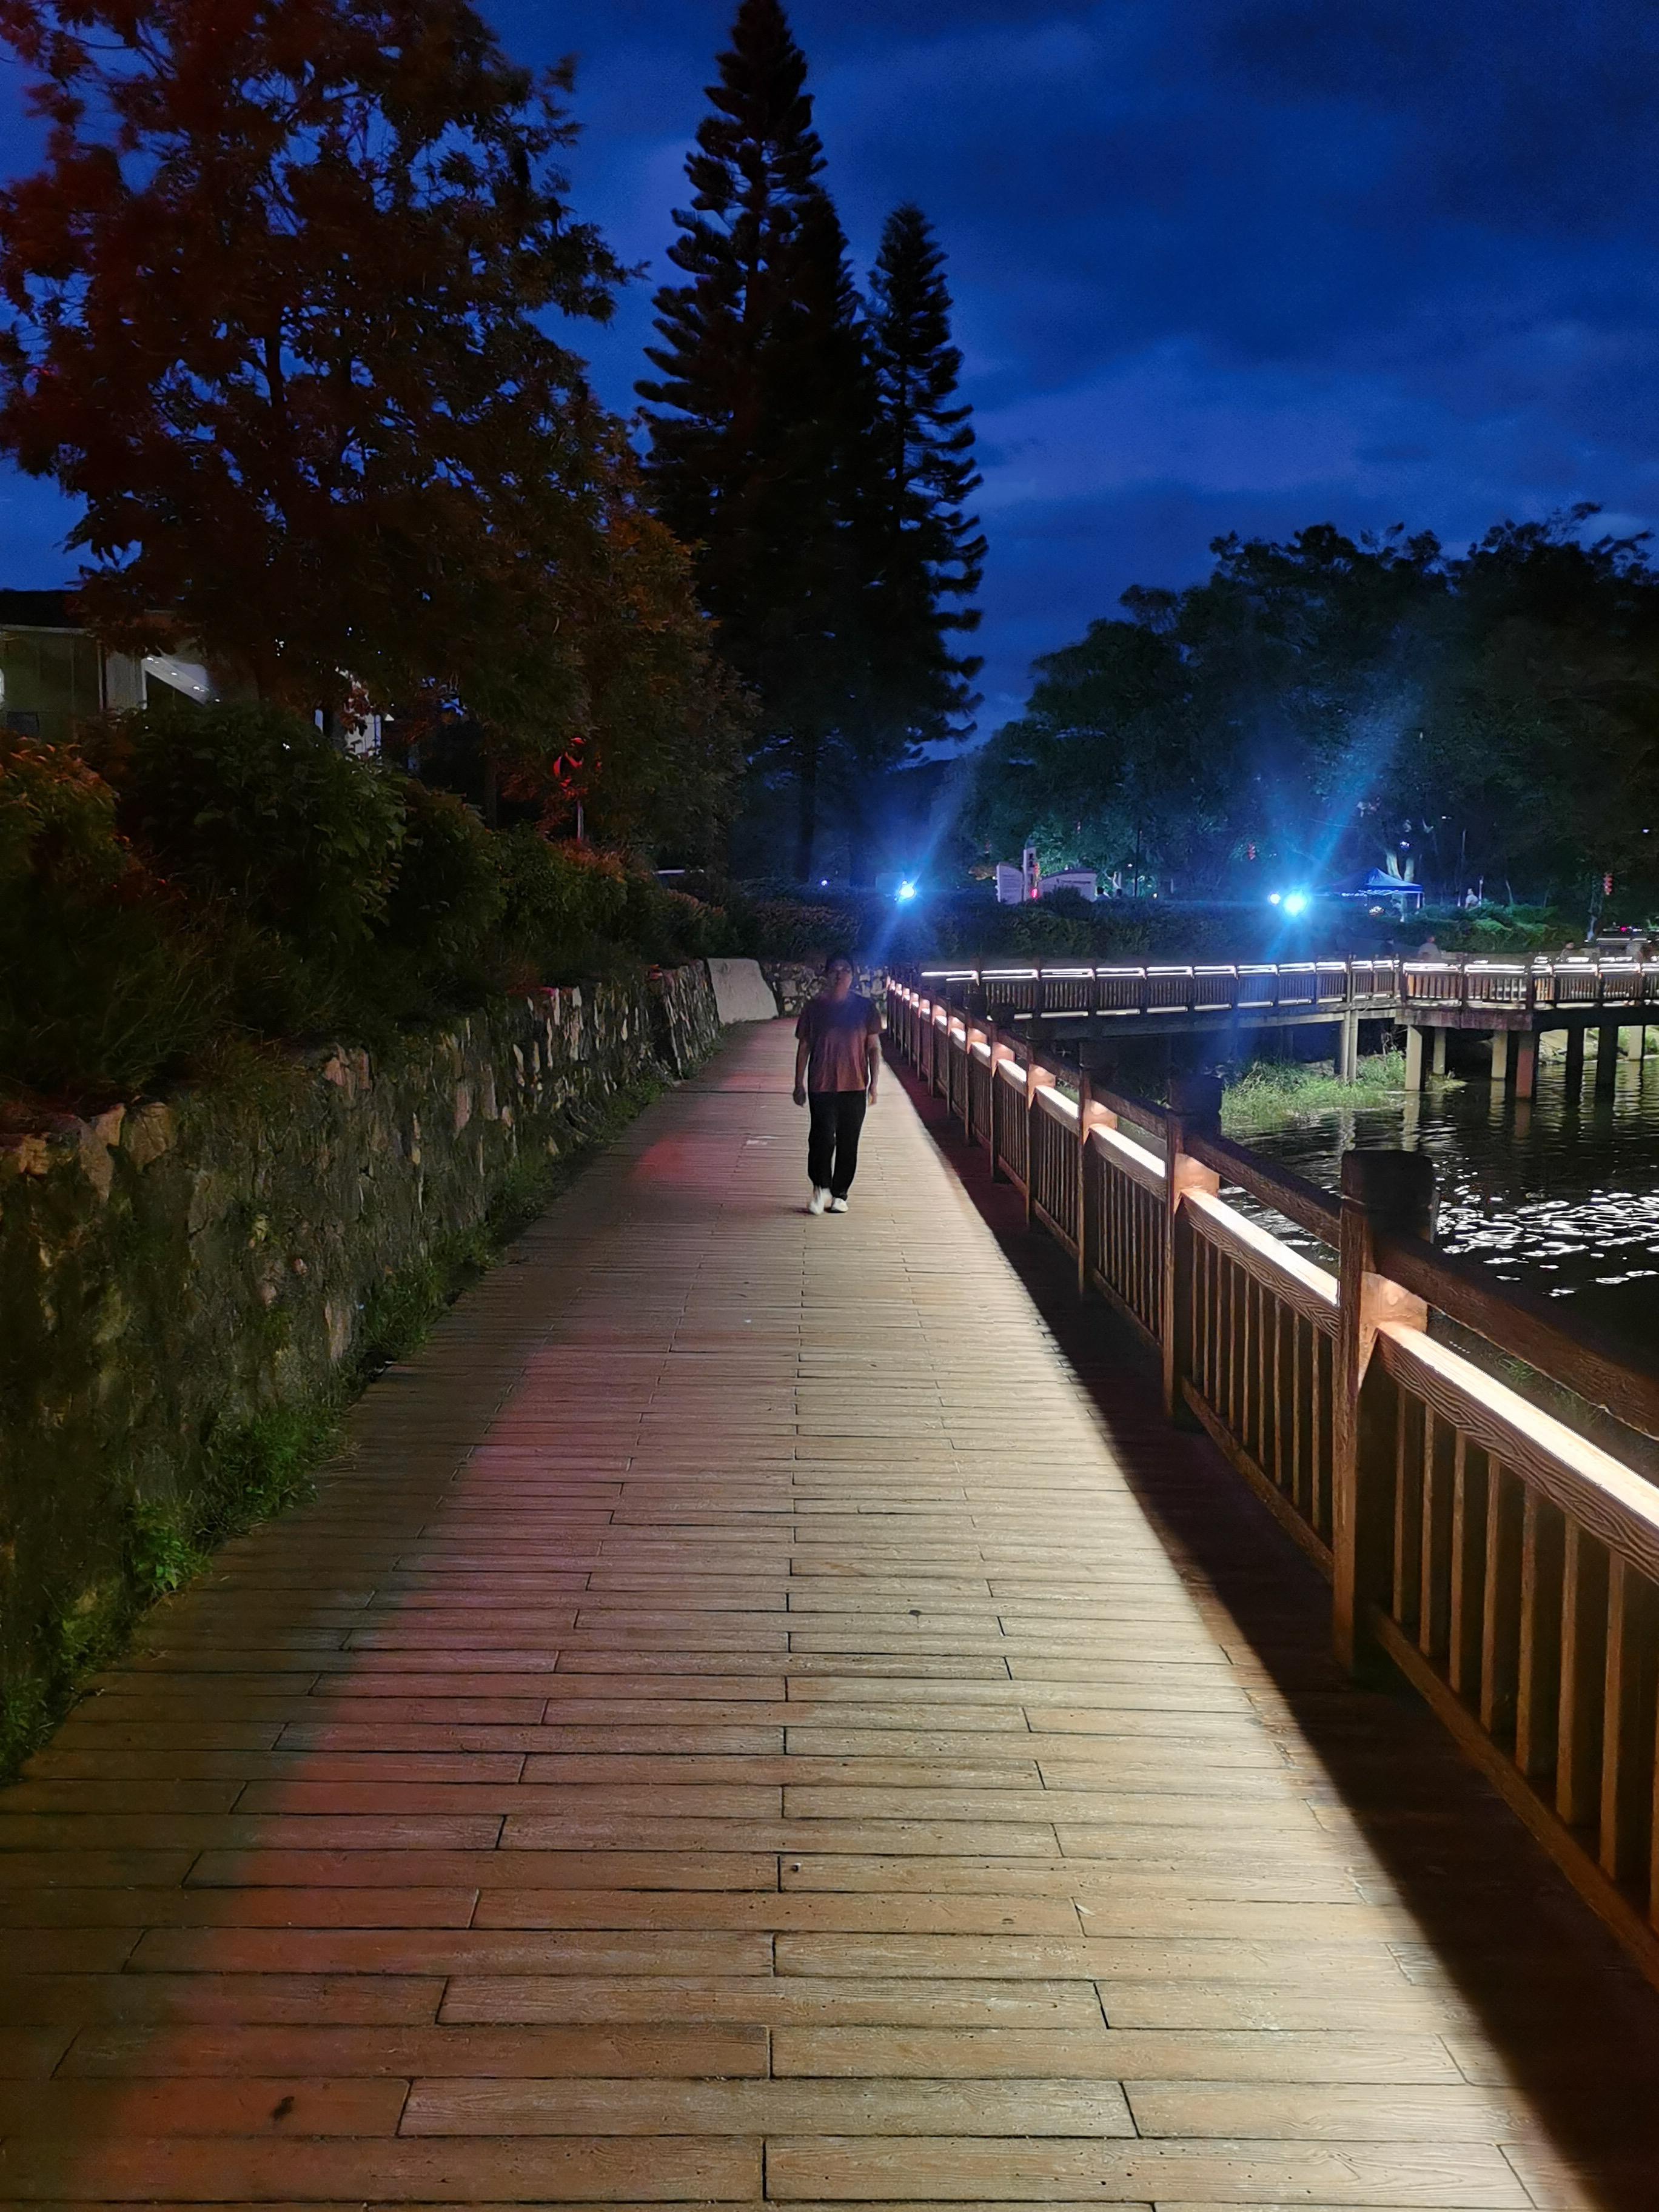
1504 1561
1307 987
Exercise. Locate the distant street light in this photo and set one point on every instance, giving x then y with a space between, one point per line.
905 893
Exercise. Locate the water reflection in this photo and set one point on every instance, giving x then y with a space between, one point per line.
1563 1196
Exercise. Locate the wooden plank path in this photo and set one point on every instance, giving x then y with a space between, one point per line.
758 1717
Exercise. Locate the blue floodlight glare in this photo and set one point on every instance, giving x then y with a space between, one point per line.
1275 898
906 892
1295 903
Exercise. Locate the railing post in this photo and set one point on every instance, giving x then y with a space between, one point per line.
1195 1106
1038 1079
1000 1052
971 1035
1089 1117
1382 1194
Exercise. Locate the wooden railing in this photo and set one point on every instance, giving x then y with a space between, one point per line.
1538 986
1305 987
1506 1563
1301 986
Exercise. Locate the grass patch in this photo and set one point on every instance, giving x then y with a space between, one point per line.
250 1472
1271 1092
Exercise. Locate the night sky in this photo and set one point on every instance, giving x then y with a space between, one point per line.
1220 265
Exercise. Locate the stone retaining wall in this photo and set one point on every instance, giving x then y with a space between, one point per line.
180 1275
794 981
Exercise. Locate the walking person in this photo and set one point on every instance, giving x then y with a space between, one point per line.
837 1059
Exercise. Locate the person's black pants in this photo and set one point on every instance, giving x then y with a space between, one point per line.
832 1148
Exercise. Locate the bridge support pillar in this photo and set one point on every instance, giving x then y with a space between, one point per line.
1500 1058
1575 1063
1347 1049
1438 1066
1384 1194
1414 1058
1606 1057
1526 1063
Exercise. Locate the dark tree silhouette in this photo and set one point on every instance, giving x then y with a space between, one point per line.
283 307
273 300
930 556
1319 703
759 414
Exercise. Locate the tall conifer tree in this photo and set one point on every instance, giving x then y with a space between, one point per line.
928 556
760 414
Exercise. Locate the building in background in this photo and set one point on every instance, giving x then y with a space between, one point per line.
1015 886
53 673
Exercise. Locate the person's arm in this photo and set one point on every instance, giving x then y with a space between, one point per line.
803 1055
873 1055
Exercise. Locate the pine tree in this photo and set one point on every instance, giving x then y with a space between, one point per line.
760 414
927 555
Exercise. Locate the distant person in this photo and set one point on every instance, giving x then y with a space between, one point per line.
1428 949
837 1059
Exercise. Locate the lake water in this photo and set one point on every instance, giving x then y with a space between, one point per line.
1563 1197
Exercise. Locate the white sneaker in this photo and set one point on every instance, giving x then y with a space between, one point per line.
838 1205
819 1200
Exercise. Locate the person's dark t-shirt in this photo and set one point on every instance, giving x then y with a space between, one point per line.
835 1030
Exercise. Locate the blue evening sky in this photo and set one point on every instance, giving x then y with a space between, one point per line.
1220 265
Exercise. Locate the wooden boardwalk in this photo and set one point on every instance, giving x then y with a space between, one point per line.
761 1717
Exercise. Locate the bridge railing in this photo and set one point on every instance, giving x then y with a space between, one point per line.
1500 1554
1380 986
1536 987
1010 993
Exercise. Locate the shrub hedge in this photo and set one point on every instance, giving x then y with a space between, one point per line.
170 885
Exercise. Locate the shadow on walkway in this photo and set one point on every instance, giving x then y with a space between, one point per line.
1566 2016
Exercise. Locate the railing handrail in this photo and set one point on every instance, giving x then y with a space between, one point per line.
1145 1167
1519 1322
1287 1192
1513 1320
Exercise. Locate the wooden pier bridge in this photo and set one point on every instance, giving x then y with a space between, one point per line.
767 1712
1511 1002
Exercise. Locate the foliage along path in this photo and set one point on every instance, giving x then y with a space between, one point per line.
751 1719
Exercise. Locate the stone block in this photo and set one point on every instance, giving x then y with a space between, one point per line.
741 991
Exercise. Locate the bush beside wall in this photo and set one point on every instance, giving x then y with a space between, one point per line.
193 1283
